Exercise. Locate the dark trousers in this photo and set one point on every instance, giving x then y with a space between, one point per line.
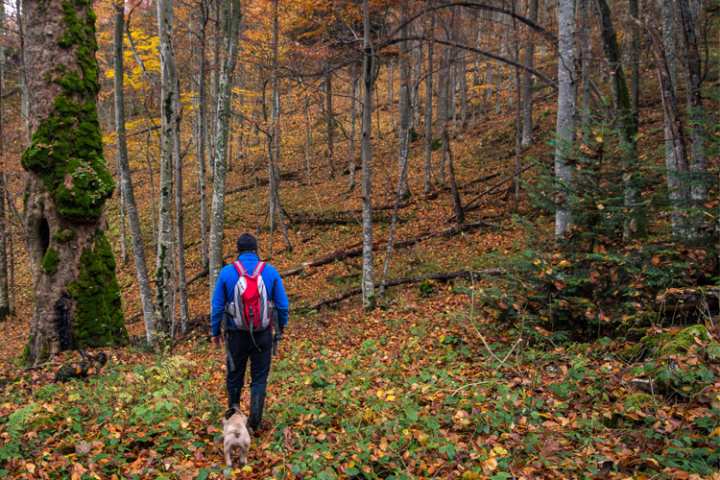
241 347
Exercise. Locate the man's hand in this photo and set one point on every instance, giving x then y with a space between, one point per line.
216 340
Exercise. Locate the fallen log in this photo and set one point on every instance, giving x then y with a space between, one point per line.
357 249
689 301
473 203
467 274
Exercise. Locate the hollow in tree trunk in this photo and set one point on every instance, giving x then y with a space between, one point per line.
77 297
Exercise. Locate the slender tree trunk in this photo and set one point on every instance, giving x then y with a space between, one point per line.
165 265
635 217
696 117
585 63
444 102
527 79
427 177
404 65
676 163
201 130
4 230
368 285
353 124
146 296
275 207
25 95
76 290
308 139
232 14
634 10
330 123
565 128
519 112
220 23
463 87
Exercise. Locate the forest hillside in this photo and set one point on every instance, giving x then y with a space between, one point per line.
497 224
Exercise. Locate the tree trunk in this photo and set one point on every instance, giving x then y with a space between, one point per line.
275 207
443 102
217 221
635 220
368 286
126 181
527 80
77 294
4 230
585 63
353 124
565 128
676 163
308 139
330 123
25 95
404 107
427 177
634 10
201 130
169 122
696 117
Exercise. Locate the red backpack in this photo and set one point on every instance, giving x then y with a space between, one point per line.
250 307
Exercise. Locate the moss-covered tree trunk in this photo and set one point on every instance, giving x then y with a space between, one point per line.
77 297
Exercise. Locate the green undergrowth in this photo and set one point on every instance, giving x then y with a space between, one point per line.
402 398
111 420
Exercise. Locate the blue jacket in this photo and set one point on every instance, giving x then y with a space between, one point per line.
225 287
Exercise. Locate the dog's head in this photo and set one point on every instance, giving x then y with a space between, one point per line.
234 416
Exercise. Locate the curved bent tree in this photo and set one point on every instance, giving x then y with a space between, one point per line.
77 297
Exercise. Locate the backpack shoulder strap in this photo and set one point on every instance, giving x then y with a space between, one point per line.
258 270
240 269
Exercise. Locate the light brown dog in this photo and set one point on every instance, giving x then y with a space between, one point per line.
235 437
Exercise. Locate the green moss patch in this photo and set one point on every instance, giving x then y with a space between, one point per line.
50 261
64 235
98 319
66 148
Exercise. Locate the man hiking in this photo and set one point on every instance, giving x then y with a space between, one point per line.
249 298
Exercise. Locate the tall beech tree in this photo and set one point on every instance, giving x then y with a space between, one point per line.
565 128
231 19
77 297
146 296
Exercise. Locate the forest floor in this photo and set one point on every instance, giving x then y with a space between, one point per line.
428 385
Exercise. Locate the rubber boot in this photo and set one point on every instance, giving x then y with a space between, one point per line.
257 403
234 399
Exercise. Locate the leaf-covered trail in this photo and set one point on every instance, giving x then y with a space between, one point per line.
407 392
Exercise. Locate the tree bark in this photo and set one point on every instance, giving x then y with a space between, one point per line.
308 139
126 185
676 163
565 127
427 173
635 221
585 64
232 15
404 107
634 10
527 80
77 296
169 122
330 123
201 130
275 207
696 111
4 230
369 73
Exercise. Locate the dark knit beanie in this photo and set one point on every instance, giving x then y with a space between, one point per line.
246 243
